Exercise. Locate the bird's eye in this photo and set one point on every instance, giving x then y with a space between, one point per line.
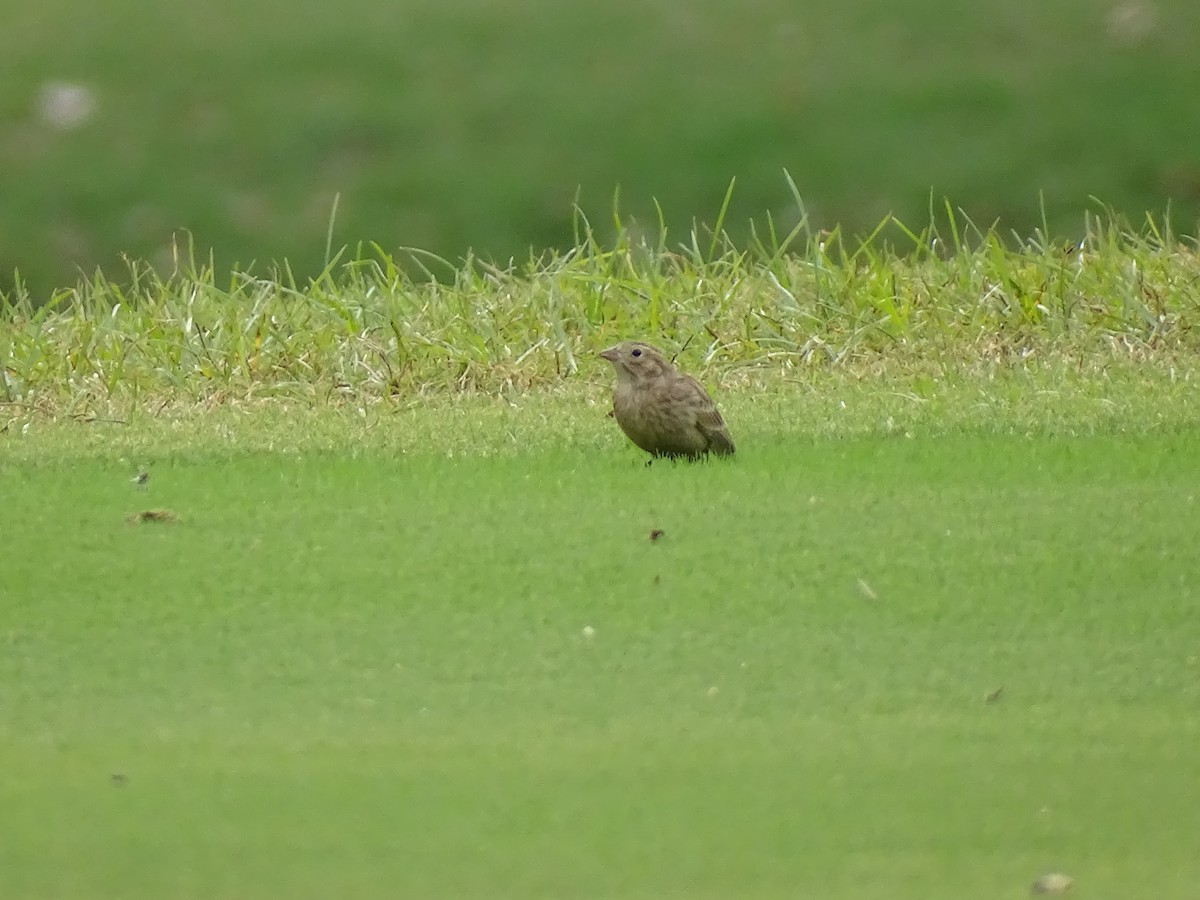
636 353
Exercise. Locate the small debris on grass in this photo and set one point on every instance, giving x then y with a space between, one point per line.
118 779
1052 883
153 515
866 590
588 632
713 691
140 479
994 696
656 533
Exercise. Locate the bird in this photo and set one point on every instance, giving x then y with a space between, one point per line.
664 412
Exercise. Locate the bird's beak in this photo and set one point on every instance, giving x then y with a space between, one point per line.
610 354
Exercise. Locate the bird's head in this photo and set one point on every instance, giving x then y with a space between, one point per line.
636 362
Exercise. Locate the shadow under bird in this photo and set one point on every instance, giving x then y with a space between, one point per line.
660 409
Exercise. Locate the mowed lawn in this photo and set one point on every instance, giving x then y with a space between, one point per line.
420 676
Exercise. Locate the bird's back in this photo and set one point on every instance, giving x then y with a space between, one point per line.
671 416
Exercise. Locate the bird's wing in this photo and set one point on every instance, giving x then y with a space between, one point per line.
687 390
713 427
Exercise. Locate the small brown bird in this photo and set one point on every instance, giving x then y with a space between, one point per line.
660 409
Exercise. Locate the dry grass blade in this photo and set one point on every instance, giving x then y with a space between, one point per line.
160 516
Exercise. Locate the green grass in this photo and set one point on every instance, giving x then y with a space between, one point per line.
950 303
467 124
357 664
368 675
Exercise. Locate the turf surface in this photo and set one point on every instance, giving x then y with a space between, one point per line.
370 676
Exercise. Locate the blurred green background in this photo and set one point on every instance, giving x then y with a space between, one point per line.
466 123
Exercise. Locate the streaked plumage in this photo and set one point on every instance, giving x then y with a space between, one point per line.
660 409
